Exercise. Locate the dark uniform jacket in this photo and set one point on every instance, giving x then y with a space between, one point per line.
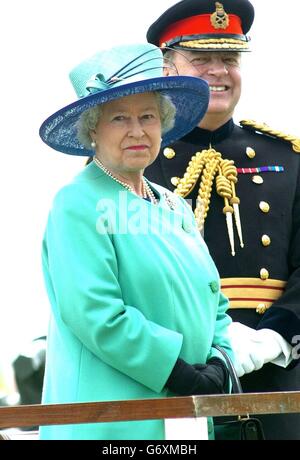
280 224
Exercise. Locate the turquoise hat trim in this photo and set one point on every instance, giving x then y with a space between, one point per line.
121 72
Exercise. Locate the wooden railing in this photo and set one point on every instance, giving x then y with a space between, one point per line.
150 409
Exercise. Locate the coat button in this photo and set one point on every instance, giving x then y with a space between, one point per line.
169 153
264 206
266 240
257 180
261 308
214 286
264 274
187 226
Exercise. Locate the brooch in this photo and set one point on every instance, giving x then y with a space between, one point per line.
170 200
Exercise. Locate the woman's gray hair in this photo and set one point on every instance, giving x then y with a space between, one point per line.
89 119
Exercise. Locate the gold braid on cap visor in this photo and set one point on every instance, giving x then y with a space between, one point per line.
215 43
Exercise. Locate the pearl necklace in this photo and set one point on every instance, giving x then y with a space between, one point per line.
147 191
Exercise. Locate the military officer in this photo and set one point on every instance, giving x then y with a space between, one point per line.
244 184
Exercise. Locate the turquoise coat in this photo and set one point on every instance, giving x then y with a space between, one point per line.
132 287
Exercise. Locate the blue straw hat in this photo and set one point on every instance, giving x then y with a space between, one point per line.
119 72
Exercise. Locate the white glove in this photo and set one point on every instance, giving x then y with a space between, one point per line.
254 348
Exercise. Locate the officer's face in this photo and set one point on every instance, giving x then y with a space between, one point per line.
220 69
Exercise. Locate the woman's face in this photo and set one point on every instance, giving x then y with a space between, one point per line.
128 134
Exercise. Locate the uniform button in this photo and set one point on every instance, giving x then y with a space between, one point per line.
264 274
250 152
257 180
169 153
175 181
266 240
261 308
214 286
264 206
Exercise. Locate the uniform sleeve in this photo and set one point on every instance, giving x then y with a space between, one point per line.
81 272
284 315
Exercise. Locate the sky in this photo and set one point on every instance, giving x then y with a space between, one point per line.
41 41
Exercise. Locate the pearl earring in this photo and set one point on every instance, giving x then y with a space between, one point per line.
93 144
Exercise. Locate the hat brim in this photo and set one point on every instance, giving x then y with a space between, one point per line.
190 96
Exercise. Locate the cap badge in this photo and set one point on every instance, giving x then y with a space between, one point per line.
219 19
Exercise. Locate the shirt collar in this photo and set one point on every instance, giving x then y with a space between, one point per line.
203 136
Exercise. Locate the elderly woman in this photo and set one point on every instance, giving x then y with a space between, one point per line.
135 296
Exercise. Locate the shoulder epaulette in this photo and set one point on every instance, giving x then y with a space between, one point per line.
265 129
